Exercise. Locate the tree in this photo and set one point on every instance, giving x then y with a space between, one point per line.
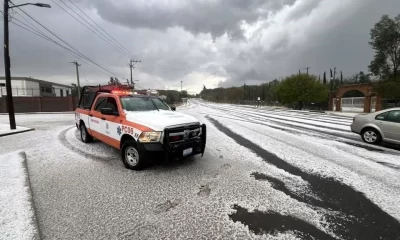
363 78
341 78
388 89
114 80
324 81
303 88
385 40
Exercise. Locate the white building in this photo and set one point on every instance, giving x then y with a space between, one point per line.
30 87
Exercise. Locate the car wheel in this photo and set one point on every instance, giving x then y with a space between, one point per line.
131 157
371 136
85 136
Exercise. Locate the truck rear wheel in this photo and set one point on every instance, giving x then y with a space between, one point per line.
131 157
85 137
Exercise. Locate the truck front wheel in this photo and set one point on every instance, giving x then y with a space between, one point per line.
85 137
131 157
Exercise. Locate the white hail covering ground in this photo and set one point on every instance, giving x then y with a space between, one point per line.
16 213
5 129
93 196
356 167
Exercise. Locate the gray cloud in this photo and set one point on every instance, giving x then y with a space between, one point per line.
203 42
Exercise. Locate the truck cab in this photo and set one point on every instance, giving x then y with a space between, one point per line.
143 127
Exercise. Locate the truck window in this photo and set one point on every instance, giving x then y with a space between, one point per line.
87 100
137 104
101 103
111 103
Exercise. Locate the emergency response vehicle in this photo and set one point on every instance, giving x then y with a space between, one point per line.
142 126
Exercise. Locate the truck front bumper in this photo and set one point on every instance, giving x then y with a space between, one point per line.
186 148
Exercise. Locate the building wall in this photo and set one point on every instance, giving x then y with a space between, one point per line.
40 104
19 88
32 88
57 91
26 87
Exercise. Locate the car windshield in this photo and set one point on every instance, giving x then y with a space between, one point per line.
160 104
143 104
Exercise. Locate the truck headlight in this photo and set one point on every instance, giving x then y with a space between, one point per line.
148 137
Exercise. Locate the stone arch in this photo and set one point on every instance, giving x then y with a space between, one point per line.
365 88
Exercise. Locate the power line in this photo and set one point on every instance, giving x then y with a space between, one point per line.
79 53
88 27
27 28
132 55
33 25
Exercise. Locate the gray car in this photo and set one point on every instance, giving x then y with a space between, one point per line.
379 126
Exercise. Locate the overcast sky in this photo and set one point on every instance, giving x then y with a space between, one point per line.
200 42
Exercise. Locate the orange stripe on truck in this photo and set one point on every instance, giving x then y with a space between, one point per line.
108 140
135 125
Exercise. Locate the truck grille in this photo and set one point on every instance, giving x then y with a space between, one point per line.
182 133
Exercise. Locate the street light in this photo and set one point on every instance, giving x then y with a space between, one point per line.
7 64
34 4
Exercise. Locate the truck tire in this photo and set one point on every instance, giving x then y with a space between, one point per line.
85 136
131 157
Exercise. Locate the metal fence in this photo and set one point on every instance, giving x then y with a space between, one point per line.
355 104
390 103
373 104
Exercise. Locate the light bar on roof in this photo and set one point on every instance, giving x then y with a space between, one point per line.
121 92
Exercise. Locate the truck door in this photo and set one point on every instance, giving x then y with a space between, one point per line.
95 121
111 123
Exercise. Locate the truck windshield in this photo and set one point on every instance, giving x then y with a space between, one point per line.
142 104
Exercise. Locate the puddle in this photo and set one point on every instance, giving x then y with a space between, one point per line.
389 165
272 223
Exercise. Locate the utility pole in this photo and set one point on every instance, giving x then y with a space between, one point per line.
131 66
244 91
77 77
7 66
334 73
181 86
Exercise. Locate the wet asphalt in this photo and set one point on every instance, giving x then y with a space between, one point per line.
83 191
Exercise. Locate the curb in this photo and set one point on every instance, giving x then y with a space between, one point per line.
16 132
37 234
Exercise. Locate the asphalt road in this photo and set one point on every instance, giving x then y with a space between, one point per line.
266 174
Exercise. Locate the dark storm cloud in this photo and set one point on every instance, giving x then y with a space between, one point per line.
198 16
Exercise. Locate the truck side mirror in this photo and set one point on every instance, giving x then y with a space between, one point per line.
107 111
173 108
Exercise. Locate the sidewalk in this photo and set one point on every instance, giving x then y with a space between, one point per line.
5 130
71 112
17 214
345 114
